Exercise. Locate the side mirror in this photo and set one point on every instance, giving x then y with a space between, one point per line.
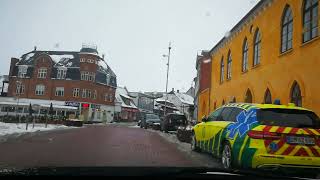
204 119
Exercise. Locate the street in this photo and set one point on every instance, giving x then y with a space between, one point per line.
99 145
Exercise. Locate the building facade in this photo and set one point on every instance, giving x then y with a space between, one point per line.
80 79
144 102
128 109
272 53
203 84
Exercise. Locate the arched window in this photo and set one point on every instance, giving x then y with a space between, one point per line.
287 29
221 71
229 65
223 103
248 98
233 100
267 97
257 48
296 97
245 50
310 19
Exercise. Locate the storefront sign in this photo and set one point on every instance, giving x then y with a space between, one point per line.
71 103
95 106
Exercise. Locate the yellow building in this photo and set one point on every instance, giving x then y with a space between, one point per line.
272 53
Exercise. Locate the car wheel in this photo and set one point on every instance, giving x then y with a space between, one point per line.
194 145
226 157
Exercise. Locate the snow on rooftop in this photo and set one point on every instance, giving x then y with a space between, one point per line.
185 98
62 58
120 91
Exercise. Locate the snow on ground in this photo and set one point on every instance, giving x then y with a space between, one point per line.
13 128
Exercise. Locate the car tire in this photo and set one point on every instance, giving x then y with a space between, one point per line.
194 144
226 156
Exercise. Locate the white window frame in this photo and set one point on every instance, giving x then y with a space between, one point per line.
106 96
40 90
95 94
20 89
59 91
82 60
42 73
76 92
22 71
84 93
61 73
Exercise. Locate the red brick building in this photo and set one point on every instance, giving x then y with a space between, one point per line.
203 84
67 78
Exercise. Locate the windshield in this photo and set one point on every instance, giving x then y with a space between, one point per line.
165 85
288 118
152 116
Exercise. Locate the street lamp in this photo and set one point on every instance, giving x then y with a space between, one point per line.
168 65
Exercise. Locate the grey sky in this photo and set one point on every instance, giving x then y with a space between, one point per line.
134 34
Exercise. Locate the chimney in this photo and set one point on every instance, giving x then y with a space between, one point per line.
103 56
12 65
35 48
178 91
172 89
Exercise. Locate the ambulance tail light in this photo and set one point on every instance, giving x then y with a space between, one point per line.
263 135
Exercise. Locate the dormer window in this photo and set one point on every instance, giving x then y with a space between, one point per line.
61 74
22 71
42 73
108 79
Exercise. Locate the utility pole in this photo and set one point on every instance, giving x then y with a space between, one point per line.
168 66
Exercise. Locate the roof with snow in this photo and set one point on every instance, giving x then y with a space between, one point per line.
184 98
69 60
123 97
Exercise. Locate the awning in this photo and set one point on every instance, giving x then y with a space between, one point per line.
59 107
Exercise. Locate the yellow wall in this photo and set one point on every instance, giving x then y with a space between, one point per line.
276 71
203 104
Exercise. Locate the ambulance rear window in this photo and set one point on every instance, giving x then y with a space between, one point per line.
288 118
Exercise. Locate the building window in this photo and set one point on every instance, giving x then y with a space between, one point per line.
310 20
296 97
267 97
42 73
110 97
87 76
91 76
229 65
76 92
248 97
89 94
233 100
108 79
221 71
61 73
40 90
95 94
257 48
245 50
84 93
20 89
82 60
223 102
22 72
106 97
287 30
59 91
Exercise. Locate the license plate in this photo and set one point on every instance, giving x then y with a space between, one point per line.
300 140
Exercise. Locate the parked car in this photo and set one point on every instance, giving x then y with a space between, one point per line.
172 122
260 136
150 121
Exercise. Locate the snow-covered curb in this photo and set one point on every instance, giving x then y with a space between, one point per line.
13 130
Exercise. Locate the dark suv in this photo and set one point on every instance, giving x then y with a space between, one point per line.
172 122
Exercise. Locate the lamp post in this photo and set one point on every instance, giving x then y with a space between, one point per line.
18 92
168 66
